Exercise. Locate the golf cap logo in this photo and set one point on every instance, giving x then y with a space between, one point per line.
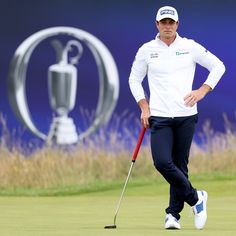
62 83
167 11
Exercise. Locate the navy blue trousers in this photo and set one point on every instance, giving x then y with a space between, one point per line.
171 140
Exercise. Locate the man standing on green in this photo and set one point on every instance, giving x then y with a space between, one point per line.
169 61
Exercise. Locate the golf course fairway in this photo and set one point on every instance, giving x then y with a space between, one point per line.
141 213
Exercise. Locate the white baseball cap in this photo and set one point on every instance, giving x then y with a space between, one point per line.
167 12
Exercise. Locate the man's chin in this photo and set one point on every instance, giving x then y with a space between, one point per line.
169 35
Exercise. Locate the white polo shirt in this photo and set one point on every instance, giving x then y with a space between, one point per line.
170 71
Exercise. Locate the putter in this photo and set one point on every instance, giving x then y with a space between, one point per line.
127 179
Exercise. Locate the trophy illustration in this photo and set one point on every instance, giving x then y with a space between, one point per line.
62 86
62 83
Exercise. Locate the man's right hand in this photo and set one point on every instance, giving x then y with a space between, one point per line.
145 113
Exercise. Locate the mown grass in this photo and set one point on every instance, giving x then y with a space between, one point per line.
141 212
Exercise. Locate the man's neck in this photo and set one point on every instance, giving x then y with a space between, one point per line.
167 41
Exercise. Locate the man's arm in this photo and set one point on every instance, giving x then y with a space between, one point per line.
208 60
138 72
215 67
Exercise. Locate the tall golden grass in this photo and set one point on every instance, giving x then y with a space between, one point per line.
106 157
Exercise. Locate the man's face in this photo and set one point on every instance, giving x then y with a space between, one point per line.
167 28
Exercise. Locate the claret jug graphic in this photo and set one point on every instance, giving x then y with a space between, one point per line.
62 83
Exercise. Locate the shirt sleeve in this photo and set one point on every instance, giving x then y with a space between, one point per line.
137 74
206 59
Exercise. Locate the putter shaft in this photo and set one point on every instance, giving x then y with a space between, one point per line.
123 191
128 176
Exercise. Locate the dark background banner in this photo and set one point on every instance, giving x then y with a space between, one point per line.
123 26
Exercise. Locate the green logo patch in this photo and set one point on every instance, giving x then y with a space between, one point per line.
181 53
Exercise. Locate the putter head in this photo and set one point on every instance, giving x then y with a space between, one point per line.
110 227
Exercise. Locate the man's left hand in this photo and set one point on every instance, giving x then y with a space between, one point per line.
196 95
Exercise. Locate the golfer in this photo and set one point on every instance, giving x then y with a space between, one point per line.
169 61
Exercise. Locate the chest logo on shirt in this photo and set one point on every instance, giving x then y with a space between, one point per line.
178 53
154 55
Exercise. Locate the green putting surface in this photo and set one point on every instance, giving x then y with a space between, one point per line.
141 212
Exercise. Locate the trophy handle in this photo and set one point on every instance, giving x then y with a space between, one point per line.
69 47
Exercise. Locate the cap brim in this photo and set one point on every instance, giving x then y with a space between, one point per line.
167 17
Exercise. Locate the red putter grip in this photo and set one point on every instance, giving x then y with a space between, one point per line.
138 144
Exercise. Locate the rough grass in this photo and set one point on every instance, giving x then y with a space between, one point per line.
101 161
